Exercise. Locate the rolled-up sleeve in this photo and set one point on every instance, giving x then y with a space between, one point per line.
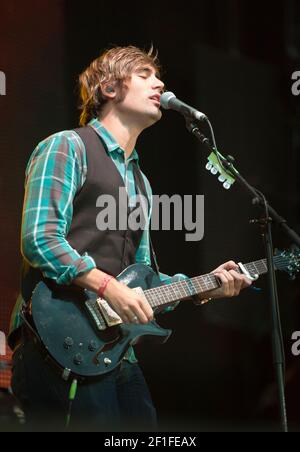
54 174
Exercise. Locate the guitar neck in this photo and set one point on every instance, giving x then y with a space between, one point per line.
170 293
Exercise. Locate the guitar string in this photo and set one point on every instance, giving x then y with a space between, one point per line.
180 289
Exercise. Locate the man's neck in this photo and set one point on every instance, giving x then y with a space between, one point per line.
124 133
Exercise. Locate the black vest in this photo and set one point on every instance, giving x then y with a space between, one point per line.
112 250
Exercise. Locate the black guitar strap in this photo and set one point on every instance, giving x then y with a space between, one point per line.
141 189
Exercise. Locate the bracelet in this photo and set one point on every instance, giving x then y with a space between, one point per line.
103 285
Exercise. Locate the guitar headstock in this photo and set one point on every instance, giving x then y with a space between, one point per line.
288 261
215 168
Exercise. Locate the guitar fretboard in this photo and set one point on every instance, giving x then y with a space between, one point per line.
187 288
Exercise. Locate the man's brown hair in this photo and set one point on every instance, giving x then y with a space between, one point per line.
113 66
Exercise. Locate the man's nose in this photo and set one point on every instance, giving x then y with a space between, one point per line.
158 84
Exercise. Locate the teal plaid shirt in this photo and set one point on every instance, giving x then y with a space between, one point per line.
56 171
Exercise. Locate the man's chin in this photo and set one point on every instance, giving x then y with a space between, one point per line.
155 116
148 119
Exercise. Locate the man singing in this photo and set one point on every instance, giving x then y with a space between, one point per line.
67 172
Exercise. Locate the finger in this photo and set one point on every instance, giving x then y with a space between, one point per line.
230 281
230 265
134 319
146 308
141 307
125 317
128 315
245 282
138 312
224 282
238 282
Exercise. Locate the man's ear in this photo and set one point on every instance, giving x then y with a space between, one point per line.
108 90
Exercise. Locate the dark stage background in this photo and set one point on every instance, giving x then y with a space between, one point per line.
233 60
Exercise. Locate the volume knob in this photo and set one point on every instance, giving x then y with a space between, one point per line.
68 343
78 359
92 346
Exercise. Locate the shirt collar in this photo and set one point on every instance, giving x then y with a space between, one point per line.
109 140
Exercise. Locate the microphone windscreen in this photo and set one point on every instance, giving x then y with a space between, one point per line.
165 99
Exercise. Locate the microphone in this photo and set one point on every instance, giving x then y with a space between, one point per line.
169 101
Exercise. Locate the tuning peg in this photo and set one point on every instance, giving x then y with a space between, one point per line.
221 178
209 166
214 170
226 185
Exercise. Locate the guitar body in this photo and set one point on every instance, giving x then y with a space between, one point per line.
75 334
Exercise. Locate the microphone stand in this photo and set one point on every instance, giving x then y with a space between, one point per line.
265 222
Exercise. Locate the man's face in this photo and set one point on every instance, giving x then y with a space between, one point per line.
141 100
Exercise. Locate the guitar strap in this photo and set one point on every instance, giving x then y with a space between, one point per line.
141 190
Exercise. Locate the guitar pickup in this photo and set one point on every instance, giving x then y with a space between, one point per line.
110 316
96 315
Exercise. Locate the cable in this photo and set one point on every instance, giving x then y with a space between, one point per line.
72 395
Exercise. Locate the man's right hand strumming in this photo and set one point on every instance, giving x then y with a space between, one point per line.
129 305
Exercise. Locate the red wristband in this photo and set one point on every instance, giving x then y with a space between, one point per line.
104 284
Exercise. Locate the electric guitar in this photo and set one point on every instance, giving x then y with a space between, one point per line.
86 338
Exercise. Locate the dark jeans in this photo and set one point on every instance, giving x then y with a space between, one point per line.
117 401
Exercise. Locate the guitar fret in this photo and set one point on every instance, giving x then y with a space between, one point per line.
207 282
159 295
176 292
252 269
192 287
258 267
264 265
262 268
183 289
171 291
155 297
